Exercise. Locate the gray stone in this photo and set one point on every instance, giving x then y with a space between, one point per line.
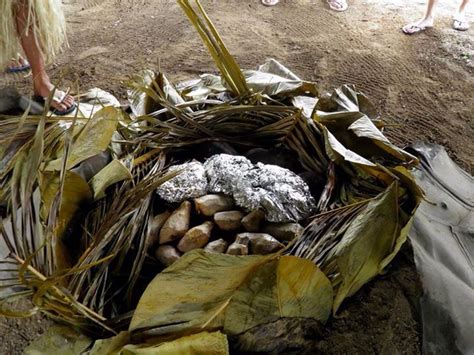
229 220
167 255
196 237
284 232
209 205
217 246
177 224
261 243
252 222
156 225
238 249
240 246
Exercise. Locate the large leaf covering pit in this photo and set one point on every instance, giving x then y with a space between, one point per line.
77 201
209 291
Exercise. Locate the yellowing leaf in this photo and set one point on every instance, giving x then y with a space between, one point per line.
114 172
76 192
367 242
283 288
59 340
202 343
197 344
210 291
93 139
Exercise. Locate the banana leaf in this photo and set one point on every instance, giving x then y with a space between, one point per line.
92 139
347 116
59 340
203 343
205 291
75 194
273 79
114 172
368 240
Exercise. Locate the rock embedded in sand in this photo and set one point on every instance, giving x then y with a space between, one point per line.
196 237
209 205
177 224
284 232
217 246
167 255
253 220
229 220
261 243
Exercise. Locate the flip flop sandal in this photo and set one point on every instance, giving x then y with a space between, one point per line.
270 2
18 69
414 29
58 97
342 5
460 25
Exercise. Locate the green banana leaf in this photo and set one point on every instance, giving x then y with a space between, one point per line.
204 291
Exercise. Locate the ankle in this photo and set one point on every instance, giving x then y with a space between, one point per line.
41 83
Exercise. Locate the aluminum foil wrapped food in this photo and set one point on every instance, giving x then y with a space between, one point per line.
224 171
283 195
190 183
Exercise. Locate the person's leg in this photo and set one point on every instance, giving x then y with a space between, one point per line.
41 83
460 22
425 22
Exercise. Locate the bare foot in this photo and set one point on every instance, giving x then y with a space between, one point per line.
43 87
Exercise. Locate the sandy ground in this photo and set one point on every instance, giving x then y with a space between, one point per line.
422 86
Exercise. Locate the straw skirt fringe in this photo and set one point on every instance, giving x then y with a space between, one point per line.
45 19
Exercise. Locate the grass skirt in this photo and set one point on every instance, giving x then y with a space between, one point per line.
45 20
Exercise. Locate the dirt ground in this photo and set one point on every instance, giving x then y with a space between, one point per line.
422 85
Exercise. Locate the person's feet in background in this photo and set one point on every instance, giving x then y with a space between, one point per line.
336 5
270 2
460 21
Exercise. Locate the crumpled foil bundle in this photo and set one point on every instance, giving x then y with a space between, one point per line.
224 171
282 194
190 183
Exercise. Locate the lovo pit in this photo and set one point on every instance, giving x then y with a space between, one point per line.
229 205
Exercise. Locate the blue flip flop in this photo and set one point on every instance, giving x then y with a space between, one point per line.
18 69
